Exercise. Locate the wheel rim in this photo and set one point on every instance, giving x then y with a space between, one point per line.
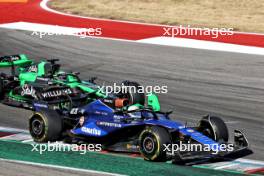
148 144
37 127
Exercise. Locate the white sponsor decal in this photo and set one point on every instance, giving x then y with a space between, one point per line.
33 69
43 79
101 113
28 90
93 131
56 93
108 124
15 58
40 105
74 111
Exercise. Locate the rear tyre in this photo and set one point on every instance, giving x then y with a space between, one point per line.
214 128
152 140
134 97
45 126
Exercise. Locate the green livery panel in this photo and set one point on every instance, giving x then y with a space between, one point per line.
15 60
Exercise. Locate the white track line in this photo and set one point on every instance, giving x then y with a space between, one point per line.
202 44
225 166
27 26
250 161
9 129
27 141
167 41
59 167
44 28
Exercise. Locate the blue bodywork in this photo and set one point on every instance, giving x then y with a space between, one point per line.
121 130
101 120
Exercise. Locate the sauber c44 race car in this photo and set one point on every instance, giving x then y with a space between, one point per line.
28 82
138 129
45 81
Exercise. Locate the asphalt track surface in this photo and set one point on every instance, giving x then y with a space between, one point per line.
199 82
12 169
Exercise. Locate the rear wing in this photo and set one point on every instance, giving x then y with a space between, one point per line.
15 60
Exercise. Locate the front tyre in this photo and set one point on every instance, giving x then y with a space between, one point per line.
151 143
45 126
214 128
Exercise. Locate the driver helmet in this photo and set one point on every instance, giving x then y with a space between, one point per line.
134 114
132 108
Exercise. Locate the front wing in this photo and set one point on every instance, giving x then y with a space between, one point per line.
241 149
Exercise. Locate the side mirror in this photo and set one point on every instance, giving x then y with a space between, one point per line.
168 113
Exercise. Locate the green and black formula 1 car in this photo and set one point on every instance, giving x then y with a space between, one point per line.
44 81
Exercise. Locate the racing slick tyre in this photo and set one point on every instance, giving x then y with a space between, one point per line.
45 126
2 91
134 97
214 127
151 143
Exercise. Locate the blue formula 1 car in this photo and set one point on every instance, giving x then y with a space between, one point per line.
136 129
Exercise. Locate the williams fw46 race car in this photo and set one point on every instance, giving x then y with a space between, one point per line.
44 81
138 129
